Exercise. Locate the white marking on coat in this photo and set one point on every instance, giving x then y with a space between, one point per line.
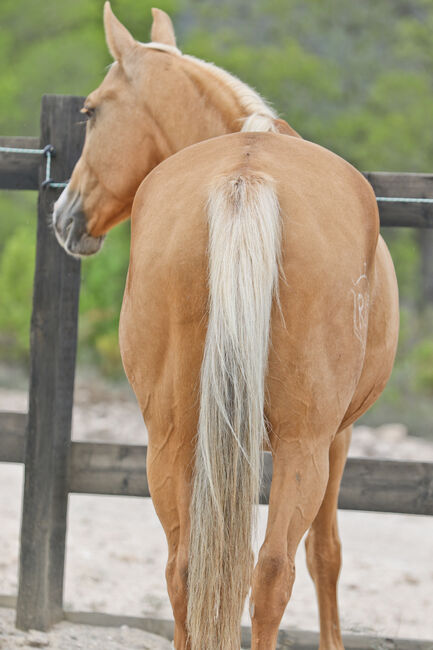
361 303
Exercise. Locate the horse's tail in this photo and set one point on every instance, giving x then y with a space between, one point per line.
244 254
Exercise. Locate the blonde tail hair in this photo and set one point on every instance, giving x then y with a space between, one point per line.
244 256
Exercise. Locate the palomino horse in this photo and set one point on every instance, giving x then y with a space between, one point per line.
260 310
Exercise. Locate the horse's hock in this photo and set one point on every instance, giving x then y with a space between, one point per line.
55 466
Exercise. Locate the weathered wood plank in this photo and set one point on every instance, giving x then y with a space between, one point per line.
403 215
103 468
100 468
414 215
300 640
387 486
404 487
53 347
8 601
401 184
368 484
293 639
13 428
20 171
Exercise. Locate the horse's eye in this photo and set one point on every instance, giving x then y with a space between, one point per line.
88 112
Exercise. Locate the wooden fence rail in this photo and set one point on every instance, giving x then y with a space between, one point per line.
19 171
404 487
55 466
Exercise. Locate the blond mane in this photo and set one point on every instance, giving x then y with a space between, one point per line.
260 116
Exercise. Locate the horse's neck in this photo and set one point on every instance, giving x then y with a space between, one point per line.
200 107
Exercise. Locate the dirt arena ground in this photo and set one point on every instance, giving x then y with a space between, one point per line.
66 636
116 549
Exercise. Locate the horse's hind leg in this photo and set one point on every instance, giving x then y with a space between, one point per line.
299 482
323 547
169 463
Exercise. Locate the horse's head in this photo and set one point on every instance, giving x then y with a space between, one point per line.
153 102
123 141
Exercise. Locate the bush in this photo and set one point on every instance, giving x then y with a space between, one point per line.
422 359
103 282
16 285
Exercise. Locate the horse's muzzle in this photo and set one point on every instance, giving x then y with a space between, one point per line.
70 226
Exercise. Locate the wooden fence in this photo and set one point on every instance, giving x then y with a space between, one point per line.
55 466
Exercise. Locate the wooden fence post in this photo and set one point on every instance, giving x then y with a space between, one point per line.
53 340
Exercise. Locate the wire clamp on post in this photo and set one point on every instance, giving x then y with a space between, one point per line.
48 151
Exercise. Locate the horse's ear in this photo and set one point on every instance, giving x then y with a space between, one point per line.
162 28
119 40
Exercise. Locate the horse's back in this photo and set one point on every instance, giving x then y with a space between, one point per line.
329 238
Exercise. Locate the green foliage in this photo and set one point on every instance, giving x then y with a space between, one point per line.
422 357
103 281
107 347
404 249
16 282
17 209
355 78
57 48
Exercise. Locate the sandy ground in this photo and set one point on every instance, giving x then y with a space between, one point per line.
66 636
116 549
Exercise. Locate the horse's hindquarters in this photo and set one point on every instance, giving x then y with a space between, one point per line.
320 335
